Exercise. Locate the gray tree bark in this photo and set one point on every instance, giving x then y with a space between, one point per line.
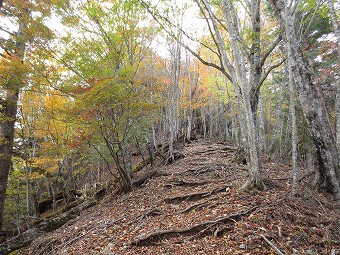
254 181
314 109
336 29
292 102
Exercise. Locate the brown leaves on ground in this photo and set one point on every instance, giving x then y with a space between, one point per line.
198 209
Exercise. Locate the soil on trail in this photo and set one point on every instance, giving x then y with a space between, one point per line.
194 206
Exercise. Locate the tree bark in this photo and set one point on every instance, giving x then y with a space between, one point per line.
254 181
8 112
292 104
255 56
336 29
314 109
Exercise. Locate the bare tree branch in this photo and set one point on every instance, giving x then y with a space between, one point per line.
270 50
159 18
265 75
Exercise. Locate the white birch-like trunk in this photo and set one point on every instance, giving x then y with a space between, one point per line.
226 62
254 180
261 128
292 101
234 131
277 134
314 109
336 29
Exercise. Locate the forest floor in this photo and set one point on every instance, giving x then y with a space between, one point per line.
196 207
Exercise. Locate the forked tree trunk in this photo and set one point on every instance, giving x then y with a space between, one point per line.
254 181
314 110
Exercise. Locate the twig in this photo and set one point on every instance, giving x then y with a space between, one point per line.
277 250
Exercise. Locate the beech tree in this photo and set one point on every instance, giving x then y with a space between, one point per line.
30 29
313 106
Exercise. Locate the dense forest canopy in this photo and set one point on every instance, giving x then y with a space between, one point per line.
86 84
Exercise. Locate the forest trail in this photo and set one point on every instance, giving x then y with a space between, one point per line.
194 206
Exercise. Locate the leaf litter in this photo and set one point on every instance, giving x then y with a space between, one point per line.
197 208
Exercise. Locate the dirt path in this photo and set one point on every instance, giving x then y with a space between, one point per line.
196 208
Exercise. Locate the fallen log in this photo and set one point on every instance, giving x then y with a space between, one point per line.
47 225
47 203
145 177
151 238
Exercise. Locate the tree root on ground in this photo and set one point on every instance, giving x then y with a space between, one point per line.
176 156
185 183
195 196
196 206
201 228
150 212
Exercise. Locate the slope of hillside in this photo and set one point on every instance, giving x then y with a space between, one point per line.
194 206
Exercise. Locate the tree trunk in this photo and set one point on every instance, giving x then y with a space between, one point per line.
314 110
254 180
336 29
292 104
8 112
261 129
255 56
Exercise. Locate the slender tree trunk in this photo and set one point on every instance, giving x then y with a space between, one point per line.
254 180
189 116
279 116
292 103
314 109
127 157
255 56
234 126
227 64
262 134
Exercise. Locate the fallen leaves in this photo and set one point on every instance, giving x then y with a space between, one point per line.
211 216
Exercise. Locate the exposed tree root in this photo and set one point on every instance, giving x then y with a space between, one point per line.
222 150
196 206
185 183
194 196
306 175
150 212
162 173
204 227
177 156
202 170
